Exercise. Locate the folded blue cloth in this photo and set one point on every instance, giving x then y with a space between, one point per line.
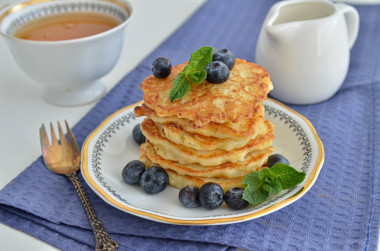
340 212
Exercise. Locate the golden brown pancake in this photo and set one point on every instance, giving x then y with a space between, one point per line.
185 155
233 101
178 135
243 129
180 181
253 162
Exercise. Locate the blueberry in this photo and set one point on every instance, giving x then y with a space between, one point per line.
133 171
137 134
154 180
217 72
277 158
189 196
211 195
161 67
233 198
225 56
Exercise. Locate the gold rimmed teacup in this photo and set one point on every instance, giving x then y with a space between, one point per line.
69 69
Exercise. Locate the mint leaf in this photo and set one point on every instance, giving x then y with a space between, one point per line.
255 196
272 185
180 87
252 179
287 175
270 181
259 184
194 72
196 77
254 192
199 59
265 172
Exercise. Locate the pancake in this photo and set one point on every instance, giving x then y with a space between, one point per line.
178 135
253 162
241 130
180 181
233 101
185 155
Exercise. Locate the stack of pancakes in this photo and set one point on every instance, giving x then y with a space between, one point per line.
215 133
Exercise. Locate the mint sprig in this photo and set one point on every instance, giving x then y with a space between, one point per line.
180 87
194 72
259 184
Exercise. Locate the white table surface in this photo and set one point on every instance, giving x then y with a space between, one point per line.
22 110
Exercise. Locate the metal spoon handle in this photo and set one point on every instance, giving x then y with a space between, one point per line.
103 240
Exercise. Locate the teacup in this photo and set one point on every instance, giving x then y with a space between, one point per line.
69 69
305 46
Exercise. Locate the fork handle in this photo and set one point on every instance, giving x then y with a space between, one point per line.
103 240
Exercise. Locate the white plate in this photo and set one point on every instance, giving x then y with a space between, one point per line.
110 147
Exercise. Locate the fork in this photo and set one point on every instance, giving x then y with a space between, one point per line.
63 157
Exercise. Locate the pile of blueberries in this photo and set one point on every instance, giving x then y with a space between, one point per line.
211 196
152 180
218 71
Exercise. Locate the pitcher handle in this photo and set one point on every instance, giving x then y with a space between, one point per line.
351 16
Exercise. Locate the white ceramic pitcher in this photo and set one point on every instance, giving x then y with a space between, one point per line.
305 46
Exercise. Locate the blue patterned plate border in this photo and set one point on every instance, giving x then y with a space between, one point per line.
110 146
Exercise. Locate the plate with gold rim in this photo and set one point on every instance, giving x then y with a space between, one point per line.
110 147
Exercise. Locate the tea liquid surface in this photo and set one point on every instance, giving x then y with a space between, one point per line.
66 26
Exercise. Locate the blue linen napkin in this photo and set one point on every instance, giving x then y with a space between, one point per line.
341 210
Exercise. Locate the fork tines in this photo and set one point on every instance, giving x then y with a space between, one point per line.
62 139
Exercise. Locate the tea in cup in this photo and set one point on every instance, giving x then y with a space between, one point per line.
305 46
66 45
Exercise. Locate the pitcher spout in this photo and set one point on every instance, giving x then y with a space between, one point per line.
274 26
287 17
279 33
